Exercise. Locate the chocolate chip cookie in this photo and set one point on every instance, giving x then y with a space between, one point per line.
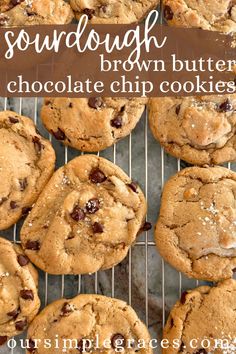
203 321
85 317
112 12
196 230
214 15
91 124
19 302
86 219
199 130
34 12
26 163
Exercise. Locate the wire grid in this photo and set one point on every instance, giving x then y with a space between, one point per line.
157 279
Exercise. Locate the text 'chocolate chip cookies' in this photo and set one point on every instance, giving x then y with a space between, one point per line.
203 314
85 317
86 218
112 12
214 15
199 130
34 12
91 124
19 302
196 230
26 163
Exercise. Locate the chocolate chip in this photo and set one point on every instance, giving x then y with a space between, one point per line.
177 109
32 245
66 309
147 226
97 228
103 8
92 206
97 176
83 345
117 122
118 340
26 210
23 184
2 200
70 105
171 322
95 102
77 214
225 106
14 313
182 347
13 120
3 340
168 13
37 144
201 351
27 294
89 13
31 346
16 2
133 186
21 325
22 260
183 297
13 204
234 270
59 134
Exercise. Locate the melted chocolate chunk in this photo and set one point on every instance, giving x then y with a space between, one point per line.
77 214
168 13
27 294
22 260
37 144
98 228
31 346
147 226
13 204
118 340
95 102
59 134
13 313
21 325
23 184
201 351
26 210
89 13
32 245
183 297
225 106
117 122
13 120
16 2
66 309
133 186
92 206
3 340
177 109
97 176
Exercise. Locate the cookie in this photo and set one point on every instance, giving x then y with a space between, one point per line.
19 302
26 163
196 229
203 321
113 12
199 130
34 12
86 219
213 15
84 318
91 124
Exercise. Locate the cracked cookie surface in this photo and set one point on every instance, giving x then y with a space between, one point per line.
113 11
200 130
203 313
19 302
196 229
26 163
34 12
83 318
91 124
214 15
86 219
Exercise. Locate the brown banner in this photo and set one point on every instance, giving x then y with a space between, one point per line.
114 60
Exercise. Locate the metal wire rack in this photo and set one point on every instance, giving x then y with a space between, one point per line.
142 279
